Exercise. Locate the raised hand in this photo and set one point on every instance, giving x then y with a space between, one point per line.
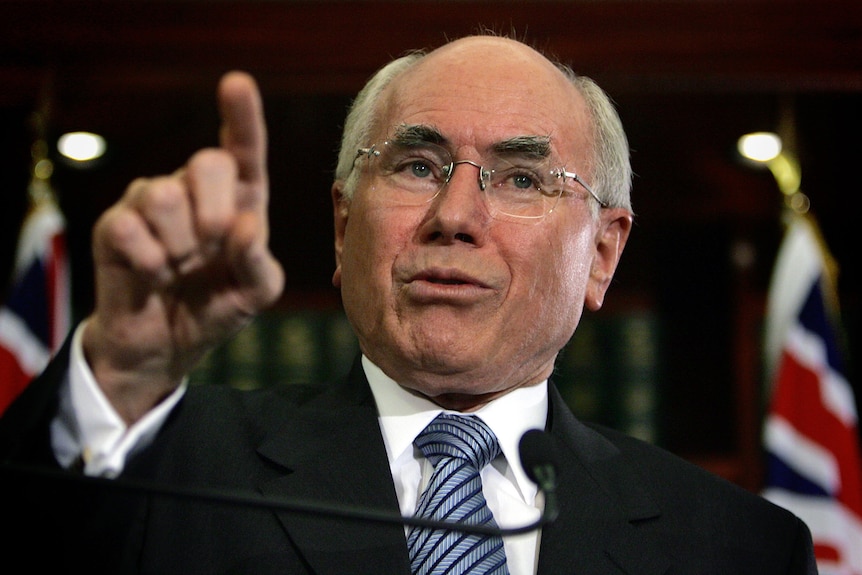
182 261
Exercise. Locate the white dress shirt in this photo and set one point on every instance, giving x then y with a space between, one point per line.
88 426
512 497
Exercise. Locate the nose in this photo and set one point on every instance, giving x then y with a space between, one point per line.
459 213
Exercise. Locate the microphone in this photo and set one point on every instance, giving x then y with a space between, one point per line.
535 449
539 462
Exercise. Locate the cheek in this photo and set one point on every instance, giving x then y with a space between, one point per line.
373 238
362 275
558 274
361 242
575 261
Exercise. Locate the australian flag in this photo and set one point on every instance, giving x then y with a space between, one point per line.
811 430
36 314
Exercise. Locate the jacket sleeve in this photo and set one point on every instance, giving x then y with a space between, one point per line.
802 560
25 435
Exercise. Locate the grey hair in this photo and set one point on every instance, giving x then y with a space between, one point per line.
611 168
363 116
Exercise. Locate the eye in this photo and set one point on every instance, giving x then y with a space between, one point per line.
421 168
523 181
413 163
413 169
516 179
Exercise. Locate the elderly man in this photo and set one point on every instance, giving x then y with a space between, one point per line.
481 200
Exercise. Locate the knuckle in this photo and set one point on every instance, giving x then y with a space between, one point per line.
117 226
213 223
163 195
212 162
117 235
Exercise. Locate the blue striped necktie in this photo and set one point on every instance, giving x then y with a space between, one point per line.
458 447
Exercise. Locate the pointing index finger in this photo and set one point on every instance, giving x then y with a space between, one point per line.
243 129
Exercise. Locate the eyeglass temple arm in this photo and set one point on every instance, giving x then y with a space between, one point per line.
586 186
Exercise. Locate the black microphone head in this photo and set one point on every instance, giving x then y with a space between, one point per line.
537 452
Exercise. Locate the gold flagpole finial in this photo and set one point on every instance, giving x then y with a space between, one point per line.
41 166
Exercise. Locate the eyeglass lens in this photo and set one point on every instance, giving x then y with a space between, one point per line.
519 187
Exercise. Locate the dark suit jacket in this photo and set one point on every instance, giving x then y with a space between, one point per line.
625 506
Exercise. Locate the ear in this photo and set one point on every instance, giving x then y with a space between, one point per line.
615 224
340 209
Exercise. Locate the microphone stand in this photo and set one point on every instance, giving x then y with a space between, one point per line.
247 499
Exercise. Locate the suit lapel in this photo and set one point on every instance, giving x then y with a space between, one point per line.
601 502
344 456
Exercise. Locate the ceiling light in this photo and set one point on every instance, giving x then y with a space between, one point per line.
81 146
759 146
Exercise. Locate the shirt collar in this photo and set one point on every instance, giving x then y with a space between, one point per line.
403 415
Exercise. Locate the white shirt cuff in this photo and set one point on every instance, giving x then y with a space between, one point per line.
88 426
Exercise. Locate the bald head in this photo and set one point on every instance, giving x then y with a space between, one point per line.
476 62
492 53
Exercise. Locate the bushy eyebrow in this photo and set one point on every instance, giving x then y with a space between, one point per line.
534 147
417 134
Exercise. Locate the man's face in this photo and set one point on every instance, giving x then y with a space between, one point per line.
449 301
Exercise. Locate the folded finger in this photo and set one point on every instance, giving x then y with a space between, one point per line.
165 207
211 178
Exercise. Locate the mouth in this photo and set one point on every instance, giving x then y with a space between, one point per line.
447 278
446 286
444 281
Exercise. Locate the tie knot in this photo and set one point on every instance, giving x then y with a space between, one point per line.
466 438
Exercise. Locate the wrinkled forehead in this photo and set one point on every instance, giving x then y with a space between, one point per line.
483 91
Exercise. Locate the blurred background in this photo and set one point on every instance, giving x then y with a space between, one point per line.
675 356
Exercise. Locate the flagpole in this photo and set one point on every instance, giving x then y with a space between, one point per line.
41 166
